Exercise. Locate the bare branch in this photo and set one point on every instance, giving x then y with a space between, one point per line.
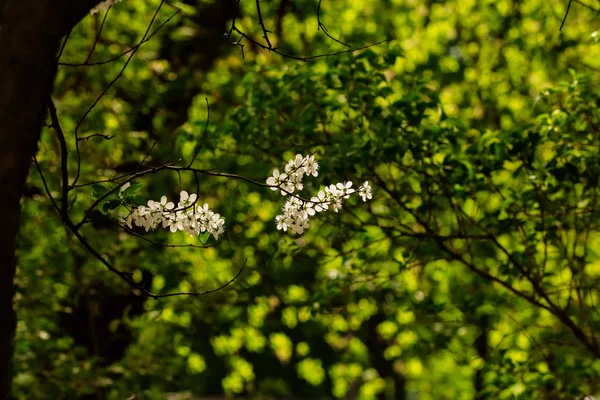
131 232
322 27
196 294
586 6
262 25
565 17
268 46
307 58
128 277
97 36
145 157
37 165
103 136
589 344
134 48
64 44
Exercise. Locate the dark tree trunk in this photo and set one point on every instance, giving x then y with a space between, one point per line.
385 367
30 33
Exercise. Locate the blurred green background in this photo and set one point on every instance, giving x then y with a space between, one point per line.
479 126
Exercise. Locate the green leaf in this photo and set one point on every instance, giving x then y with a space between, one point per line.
98 190
113 204
110 203
131 190
136 200
103 206
204 237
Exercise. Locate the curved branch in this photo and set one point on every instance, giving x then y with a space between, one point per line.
262 25
321 26
203 133
134 48
132 233
307 58
565 17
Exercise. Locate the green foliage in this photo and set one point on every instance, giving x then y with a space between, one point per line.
475 268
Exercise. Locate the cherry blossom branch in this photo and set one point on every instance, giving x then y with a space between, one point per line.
75 229
170 167
128 277
188 215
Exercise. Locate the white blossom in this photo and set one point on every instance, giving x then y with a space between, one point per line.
280 219
277 180
188 217
103 6
296 212
311 167
345 188
321 201
295 166
366 191
186 200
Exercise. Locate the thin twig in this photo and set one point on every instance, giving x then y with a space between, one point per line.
307 58
203 133
97 36
145 157
101 135
586 6
235 12
134 48
35 161
321 26
262 25
131 232
64 43
223 286
565 17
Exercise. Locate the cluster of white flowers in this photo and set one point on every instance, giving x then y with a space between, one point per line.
295 170
297 212
188 216
103 6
